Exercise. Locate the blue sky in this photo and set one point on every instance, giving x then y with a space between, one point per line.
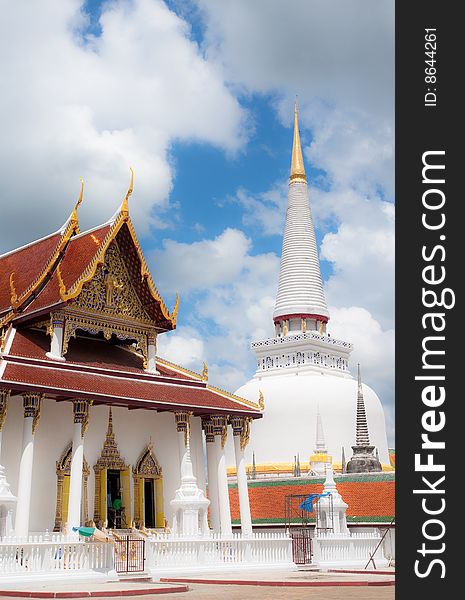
197 96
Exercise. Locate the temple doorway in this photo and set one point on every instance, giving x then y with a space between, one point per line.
149 503
112 500
148 491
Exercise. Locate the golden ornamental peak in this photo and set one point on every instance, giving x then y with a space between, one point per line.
174 314
61 284
297 162
13 294
205 371
125 205
261 400
74 215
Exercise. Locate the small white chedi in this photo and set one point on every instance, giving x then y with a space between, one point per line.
303 369
190 506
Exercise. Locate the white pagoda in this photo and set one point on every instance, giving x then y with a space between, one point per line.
302 370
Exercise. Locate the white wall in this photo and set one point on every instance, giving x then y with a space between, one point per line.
134 429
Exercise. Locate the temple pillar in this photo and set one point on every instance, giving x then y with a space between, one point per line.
182 427
32 406
212 474
7 500
56 343
152 354
4 395
220 424
241 434
81 420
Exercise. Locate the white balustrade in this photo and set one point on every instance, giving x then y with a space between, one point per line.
169 553
53 555
331 550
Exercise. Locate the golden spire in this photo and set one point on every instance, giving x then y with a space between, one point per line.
74 214
297 163
125 206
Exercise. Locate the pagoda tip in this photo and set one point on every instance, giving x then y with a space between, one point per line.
125 205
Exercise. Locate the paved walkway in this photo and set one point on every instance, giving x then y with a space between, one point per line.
273 584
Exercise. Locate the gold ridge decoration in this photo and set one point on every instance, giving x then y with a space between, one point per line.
174 314
238 399
261 400
169 364
89 272
61 284
2 338
13 294
205 371
4 395
125 205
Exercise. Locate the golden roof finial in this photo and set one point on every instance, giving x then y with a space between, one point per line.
13 294
174 314
205 371
74 214
125 206
297 162
61 284
261 400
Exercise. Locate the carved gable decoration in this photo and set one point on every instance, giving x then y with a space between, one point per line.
147 465
111 292
110 457
63 466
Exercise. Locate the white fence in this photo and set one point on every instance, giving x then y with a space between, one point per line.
166 553
353 550
54 556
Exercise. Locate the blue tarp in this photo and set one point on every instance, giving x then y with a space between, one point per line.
307 504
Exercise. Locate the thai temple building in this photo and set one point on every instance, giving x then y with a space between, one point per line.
114 460
303 371
96 430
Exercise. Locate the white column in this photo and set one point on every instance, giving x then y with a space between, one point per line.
220 424
241 432
4 395
152 354
56 343
182 419
81 417
31 403
212 472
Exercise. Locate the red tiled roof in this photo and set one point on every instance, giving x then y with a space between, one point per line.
27 264
369 498
106 372
78 255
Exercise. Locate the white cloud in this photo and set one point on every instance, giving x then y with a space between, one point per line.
91 107
182 267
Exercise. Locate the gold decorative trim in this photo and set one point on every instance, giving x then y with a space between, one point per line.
234 397
102 325
63 469
4 395
205 372
32 404
167 363
89 272
13 294
261 400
